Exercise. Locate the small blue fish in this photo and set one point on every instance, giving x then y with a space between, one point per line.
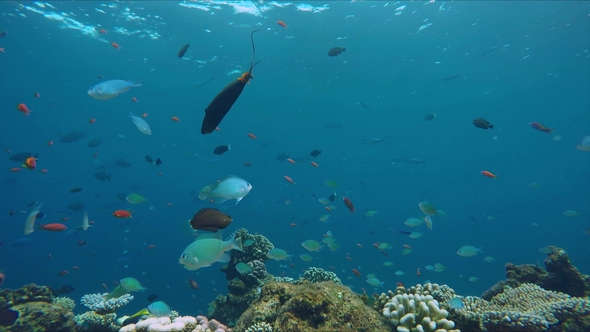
110 89
159 309
456 303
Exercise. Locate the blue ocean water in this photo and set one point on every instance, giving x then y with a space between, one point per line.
519 62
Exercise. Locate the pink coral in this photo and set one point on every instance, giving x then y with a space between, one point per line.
212 325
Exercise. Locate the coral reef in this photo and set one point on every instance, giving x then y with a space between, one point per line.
228 308
64 302
30 308
525 308
256 251
323 306
560 276
92 321
185 323
260 327
316 274
97 302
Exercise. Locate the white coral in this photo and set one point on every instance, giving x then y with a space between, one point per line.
415 312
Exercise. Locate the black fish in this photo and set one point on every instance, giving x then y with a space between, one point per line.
76 190
221 149
334 51
63 289
451 77
482 123
158 161
429 117
401 232
122 163
40 215
149 159
102 176
71 137
153 297
8 317
76 206
225 99
95 142
315 153
21 157
332 197
210 219
183 50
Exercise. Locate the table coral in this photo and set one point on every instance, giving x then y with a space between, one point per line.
527 308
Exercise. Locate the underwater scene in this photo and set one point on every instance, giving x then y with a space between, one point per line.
294 166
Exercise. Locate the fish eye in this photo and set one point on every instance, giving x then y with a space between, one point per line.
91 88
183 255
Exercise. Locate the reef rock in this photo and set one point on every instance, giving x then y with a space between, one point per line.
560 276
323 306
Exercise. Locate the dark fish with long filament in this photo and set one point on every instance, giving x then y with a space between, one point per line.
223 102
183 50
210 219
334 51
482 123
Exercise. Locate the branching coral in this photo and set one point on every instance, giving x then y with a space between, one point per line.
415 312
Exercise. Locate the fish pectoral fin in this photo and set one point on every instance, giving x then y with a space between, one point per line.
224 258
238 200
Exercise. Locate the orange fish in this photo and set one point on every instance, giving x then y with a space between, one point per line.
92 121
328 208
400 284
37 95
115 45
44 170
281 23
65 218
122 214
193 284
359 245
50 143
252 136
541 127
169 204
175 119
144 115
356 272
247 164
418 272
103 31
62 273
2 50
55 227
75 268
348 204
30 163
407 246
489 174
81 242
289 179
16 169
293 224
314 164
104 286
95 154
134 99
217 128
23 109
291 161
151 246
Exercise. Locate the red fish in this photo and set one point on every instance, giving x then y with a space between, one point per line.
193 284
281 23
92 121
63 273
314 164
175 119
50 143
103 31
122 214
291 161
16 169
134 99
288 179
489 174
348 204
252 136
356 272
151 246
37 95
23 109
540 127
418 272
115 45
30 163
55 227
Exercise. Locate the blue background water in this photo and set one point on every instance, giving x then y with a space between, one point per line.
538 72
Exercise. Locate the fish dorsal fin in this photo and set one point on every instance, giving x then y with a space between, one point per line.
228 177
205 236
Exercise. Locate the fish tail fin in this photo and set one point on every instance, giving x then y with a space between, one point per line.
229 147
233 243
138 82
549 130
491 126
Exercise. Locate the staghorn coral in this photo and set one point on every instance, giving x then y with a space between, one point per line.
416 312
323 306
92 321
96 302
64 302
316 274
525 308
260 327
